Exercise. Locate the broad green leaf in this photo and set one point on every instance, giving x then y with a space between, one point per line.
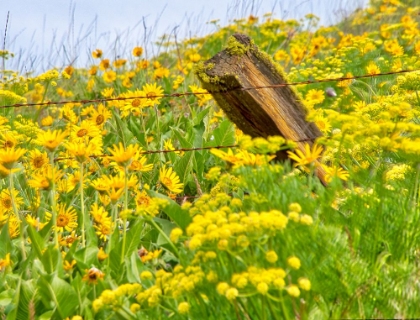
27 299
174 211
166 227
52 260
91 238
86 257
224 135
185 143
59 294
183 166
134 268
115 259
198 118
199 164
37 241
46 316
6 297
133 237
6 243
12 314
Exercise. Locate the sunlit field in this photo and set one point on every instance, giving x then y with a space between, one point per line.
126 193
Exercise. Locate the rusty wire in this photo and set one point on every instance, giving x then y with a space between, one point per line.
181 94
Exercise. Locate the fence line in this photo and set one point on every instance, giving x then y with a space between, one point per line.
158 151
181 94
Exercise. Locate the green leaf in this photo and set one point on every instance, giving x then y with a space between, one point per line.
198 118
174 211
27 299
6 243
86 257
46 316
224 135
12 315
59 294
37 241
133 237
167 227
51 259
181 138
6 297
134 268
199 164
183 166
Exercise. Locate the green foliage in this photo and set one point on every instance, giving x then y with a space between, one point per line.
126 214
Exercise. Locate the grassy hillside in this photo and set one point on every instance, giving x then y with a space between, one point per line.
106 213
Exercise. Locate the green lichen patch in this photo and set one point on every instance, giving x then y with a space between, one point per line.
200 70
234 47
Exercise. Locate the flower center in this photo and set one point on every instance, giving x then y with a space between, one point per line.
38 162
82 132
100 119
136 103
62 220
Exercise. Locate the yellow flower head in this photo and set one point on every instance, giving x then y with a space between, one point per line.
137 51
97 53
51 139
66 218
9 156
306 157
93 275
170 180
123 156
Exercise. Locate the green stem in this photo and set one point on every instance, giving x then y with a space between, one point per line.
283 307
125 213
176 253
113 225
15 210
53 203
82 204
157 125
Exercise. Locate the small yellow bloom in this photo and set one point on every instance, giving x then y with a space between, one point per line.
293 262
175 234
183 308
146 275
293 290
271 256
102 255
222 287
69 265
306 220
304 284
5 262
231 293
262 288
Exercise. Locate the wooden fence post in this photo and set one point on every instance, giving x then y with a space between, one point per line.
257 112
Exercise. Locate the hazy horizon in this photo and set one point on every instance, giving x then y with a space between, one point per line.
52 33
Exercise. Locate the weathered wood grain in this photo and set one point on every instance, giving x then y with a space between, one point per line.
257 112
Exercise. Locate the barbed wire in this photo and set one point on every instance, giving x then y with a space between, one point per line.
159 151
182 94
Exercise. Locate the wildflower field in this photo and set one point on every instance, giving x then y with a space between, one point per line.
126 193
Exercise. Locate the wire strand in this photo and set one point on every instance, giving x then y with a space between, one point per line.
182 94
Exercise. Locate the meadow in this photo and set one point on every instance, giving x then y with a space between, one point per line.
126 193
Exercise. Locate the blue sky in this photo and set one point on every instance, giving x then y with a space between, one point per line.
52 33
